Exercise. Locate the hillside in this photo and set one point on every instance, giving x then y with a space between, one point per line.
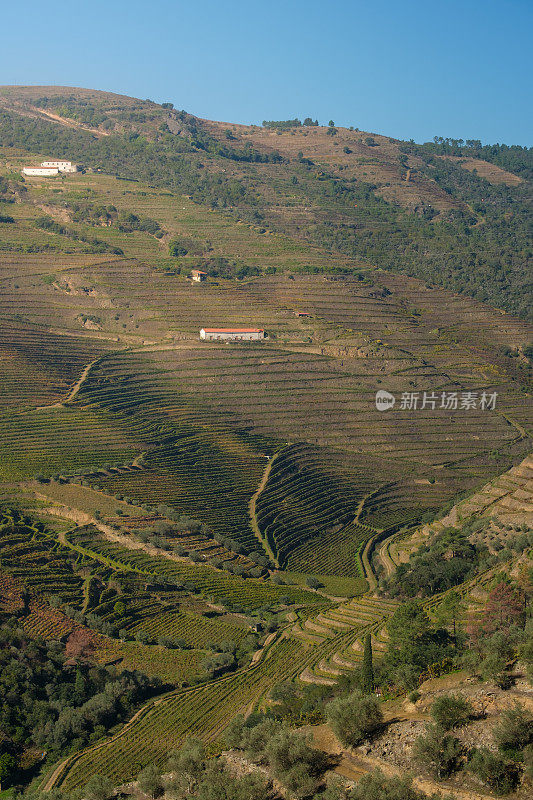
228 517
374 198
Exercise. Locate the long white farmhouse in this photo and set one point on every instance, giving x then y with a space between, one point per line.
45 172
232 334
49 168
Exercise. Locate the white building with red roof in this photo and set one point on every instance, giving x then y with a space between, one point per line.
232 334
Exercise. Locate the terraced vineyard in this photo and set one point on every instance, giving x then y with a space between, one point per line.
293 486
210 582
320 650
166 722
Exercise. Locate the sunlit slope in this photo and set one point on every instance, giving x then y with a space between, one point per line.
208 418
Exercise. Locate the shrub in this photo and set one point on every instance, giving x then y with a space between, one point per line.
150 781
8 767
514 731
293 761
376 786
528 760
255 739
493 770
98 788
354 718
450 711
438 751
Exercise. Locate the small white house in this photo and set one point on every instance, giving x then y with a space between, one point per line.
232 334
42 172
62 166
198 275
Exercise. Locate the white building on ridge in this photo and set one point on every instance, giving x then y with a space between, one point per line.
40 171
49 168
232 334
62 166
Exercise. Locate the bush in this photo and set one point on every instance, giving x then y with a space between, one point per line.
376 786
450 711
354 718
438 751
514 731
293 761
528 760
493 770
150 781
98 788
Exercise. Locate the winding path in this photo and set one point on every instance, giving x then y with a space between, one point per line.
251 510
75 389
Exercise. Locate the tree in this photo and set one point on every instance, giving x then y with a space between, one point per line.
331 124
526 649
255 739
354 718
293 761
493 770
8 766
142 637
377 786
438 751
299 781
176 248
450 711
368 668
450 610
414 644
504 608
80 645
150 782
98 788
514 730
528 760
218 784
119 608
79 692
188 762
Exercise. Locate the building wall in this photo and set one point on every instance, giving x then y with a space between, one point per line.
62 166
234 337
41 171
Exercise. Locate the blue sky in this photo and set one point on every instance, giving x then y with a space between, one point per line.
407 69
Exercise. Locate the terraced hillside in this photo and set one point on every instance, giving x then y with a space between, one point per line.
371 197
203 422
214 513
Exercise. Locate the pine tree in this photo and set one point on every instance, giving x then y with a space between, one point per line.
368 669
